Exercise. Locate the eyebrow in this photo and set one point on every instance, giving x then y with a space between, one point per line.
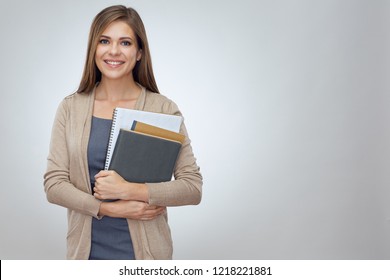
121 38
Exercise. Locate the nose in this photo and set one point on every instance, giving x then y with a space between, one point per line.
114 50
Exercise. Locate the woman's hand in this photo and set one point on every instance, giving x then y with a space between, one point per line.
110 185
130 209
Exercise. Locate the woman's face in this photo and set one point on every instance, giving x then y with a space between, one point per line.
117 51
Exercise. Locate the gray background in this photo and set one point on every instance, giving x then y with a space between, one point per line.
287 104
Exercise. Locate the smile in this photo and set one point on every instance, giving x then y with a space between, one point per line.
114 62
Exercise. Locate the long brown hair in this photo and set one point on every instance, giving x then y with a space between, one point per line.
142 72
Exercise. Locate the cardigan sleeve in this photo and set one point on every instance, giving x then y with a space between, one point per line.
58 187
186 189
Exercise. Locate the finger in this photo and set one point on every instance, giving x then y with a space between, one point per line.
151 216
153 213
96 195
97 190
103 173
150 207
161 209
146 218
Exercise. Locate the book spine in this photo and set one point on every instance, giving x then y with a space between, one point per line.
110 141
133 125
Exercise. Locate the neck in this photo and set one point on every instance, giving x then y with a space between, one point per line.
116 90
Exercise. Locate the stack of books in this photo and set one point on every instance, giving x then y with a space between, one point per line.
144 146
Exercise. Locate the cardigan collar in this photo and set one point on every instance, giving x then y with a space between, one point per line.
140 104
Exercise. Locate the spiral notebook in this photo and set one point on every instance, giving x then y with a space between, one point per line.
124 118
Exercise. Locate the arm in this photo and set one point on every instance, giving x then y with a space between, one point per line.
131 209
186 189
58 186
132 197
110 185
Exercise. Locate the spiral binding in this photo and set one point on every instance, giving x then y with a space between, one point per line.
110 144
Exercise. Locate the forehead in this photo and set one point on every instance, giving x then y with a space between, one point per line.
118 29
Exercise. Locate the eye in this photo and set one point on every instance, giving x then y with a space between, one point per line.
104 41
126 43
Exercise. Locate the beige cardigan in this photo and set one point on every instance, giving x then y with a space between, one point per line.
67 183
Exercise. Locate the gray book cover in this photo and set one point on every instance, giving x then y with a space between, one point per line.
143 158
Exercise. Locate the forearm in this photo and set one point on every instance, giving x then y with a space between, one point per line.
130 209
108 209
110 185
186 189
176 193
60 189
136 191
65 194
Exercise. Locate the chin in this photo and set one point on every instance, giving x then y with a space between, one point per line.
114 76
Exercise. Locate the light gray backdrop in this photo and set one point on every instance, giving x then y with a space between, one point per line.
287 104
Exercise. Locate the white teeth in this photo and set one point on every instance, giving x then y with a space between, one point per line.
114 62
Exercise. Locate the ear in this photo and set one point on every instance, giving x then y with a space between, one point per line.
139 54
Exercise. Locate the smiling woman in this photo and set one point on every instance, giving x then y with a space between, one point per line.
117 52
133 225
135 30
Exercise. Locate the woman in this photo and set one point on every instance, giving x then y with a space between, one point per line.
117 73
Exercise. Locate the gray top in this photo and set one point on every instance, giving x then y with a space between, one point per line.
110 236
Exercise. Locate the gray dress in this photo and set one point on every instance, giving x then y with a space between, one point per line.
110 238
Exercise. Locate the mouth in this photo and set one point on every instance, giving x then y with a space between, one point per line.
114 62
